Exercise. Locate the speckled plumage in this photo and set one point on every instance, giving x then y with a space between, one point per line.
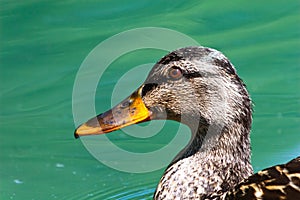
206 99
212 100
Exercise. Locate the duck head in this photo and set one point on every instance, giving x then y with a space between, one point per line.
197 86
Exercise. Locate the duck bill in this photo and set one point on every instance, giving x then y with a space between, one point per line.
130 111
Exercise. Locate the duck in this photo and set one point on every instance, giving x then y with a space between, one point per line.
199 87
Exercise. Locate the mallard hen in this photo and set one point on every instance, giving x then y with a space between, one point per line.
199 87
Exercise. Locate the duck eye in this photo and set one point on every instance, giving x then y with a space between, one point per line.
175 73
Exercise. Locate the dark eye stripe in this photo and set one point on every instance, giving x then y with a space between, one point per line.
148 87
192 75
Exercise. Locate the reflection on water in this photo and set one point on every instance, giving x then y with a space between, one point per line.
44 43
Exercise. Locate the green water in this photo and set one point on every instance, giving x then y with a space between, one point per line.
43 44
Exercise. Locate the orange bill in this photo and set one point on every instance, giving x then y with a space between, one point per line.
130 111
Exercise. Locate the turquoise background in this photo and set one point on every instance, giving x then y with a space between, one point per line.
43 44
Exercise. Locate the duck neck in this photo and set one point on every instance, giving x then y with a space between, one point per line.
215 160
219 141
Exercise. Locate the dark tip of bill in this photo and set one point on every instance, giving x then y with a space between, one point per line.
76 134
